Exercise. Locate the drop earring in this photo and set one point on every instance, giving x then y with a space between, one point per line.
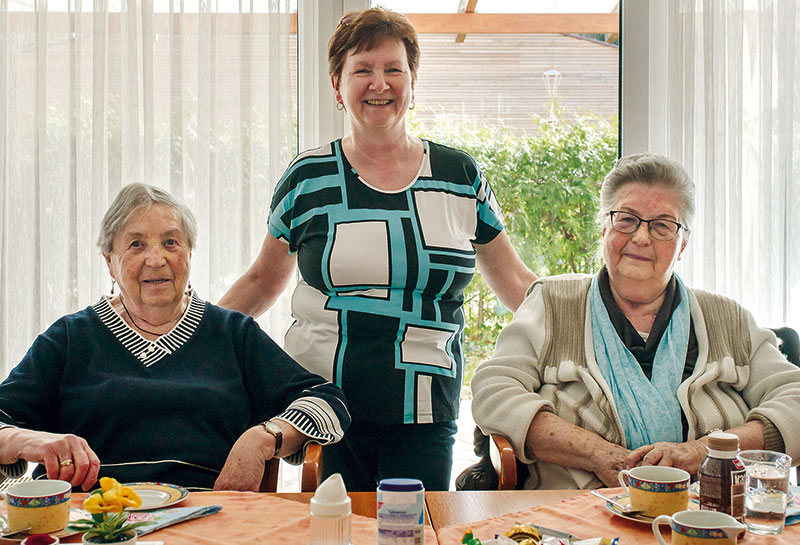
113 282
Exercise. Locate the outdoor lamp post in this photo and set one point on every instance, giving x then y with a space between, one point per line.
552 78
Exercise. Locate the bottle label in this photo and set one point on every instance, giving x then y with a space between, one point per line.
400 518
737 493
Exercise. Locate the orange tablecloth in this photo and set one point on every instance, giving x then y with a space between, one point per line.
586 516
250 518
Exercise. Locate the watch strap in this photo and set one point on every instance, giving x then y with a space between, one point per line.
275 431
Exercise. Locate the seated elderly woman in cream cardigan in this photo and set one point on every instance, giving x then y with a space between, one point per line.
629 366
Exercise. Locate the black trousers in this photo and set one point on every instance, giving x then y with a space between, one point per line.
371 452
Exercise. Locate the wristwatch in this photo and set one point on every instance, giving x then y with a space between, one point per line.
274 430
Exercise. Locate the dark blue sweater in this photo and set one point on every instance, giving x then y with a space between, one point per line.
177 419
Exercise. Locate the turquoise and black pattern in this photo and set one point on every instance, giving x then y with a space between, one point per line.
378 310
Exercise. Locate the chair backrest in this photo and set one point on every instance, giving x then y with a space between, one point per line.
789 343
311 473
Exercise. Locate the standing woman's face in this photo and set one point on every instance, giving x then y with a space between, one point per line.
376 86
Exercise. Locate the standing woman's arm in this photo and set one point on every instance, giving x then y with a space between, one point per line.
504 270
264 281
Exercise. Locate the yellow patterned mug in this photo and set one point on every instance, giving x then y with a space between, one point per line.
700 528
656 490
43 505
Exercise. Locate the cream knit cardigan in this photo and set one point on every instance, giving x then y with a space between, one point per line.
544 360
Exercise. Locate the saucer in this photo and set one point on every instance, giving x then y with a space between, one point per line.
623 499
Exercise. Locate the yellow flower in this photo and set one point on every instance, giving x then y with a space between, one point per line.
99 503
113 497
107 483
128 497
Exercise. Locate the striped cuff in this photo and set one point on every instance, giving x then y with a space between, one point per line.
313 417
773 440
12 471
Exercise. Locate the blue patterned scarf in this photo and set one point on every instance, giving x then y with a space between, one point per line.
649 409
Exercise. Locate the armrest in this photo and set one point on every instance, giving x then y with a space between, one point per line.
312 468
269 482
504 462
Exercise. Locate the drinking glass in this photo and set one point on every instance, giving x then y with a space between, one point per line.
766 490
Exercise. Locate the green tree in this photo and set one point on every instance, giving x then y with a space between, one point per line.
548 186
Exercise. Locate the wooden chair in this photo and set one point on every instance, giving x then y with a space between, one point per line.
497 469
311 474
509 470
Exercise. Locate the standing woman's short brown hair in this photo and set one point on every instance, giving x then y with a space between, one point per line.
368 29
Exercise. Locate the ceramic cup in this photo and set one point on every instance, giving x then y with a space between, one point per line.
699 528
43 505
656 490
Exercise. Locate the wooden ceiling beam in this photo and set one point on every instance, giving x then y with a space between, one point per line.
425 23
515 23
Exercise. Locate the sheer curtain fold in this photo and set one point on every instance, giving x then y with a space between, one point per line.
732 119
196 96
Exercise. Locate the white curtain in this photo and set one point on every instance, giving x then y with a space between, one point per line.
197 97
734 119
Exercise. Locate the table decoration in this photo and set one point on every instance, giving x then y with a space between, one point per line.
109 521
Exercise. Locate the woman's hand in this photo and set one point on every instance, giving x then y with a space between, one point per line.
687 456
244 467
608 465
64 456
552 439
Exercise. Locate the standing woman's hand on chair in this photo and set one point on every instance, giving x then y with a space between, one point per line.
65 456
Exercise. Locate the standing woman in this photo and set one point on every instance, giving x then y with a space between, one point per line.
387 230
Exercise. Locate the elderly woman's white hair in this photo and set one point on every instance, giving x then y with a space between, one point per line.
649 169
134 197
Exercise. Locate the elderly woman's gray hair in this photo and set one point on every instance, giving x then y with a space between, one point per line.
134 197
649 169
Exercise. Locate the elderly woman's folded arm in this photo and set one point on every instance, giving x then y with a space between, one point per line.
26 394
305 406
773 393
505 402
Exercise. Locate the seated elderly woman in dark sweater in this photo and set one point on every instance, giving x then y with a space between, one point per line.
155 384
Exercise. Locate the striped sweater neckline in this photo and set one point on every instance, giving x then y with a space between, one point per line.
146 351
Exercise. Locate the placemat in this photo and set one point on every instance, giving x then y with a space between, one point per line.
251 518
586 516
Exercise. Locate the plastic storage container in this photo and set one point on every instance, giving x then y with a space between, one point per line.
401 512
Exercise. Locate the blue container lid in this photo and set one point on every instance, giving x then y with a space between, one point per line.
400 485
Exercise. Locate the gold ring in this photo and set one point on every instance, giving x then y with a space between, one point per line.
66 463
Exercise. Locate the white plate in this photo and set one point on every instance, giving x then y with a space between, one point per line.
157 495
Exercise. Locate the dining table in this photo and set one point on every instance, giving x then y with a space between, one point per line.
575 512
249 518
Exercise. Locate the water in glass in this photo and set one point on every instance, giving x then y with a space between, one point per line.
765 498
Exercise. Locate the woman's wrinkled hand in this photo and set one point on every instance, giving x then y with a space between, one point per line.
608 466
244 467
65 456
687 456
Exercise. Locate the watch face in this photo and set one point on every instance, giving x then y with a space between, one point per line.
273 428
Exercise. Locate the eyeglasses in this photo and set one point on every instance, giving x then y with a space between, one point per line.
659 229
